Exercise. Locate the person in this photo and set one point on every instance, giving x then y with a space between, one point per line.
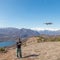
19 53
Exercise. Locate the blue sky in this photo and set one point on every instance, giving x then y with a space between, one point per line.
30 13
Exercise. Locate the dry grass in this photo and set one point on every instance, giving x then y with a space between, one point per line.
35 51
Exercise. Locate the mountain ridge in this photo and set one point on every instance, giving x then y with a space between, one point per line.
14 33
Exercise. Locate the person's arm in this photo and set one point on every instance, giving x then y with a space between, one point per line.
20 42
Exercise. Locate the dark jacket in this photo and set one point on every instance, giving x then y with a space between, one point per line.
19 44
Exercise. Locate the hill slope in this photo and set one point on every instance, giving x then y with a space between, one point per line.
35 51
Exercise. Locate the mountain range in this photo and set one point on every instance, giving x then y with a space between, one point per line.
14 33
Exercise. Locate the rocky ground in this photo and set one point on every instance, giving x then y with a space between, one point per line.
37 51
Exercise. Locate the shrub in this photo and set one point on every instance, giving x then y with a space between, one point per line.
3 50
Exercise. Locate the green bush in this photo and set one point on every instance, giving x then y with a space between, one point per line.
2 50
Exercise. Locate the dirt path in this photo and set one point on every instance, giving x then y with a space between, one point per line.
39 51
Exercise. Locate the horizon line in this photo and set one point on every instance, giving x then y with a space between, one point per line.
36 28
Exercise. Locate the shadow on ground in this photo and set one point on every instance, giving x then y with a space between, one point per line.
33 55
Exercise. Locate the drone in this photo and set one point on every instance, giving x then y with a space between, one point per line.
48 23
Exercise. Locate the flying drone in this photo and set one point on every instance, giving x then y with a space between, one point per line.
48 23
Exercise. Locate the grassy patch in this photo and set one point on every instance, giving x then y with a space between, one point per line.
48 39
3 50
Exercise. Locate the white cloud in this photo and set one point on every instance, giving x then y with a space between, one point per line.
41 29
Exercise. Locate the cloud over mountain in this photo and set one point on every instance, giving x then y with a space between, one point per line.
42 29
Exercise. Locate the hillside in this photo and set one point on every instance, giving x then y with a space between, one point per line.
33 50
